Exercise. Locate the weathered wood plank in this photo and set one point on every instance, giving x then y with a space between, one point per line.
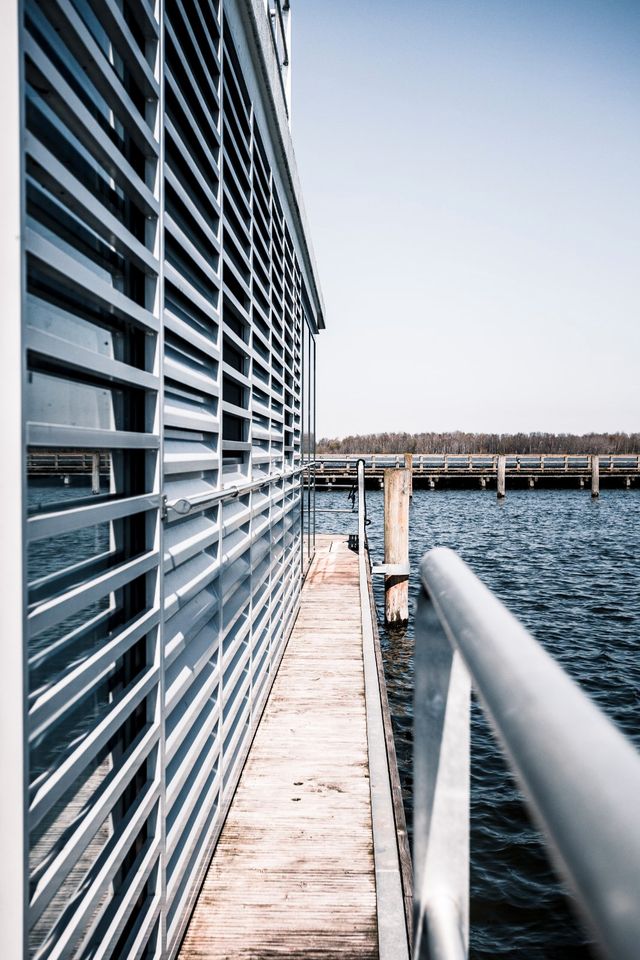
293 872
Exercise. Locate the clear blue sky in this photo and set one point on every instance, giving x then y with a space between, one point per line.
471 173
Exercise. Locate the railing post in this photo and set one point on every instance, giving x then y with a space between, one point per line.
441 792
595 475
396 544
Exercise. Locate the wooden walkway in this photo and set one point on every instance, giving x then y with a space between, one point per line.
293 872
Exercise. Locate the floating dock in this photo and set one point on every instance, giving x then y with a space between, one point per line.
313 858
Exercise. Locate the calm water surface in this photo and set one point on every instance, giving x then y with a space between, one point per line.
569 568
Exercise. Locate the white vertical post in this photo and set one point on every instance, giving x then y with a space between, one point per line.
502 476
13 875
397 485
595 476
95 473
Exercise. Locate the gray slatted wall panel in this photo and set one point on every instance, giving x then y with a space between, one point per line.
92 320
153 278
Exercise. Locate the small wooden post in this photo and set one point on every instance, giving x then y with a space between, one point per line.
408 465
95 473
502 476
595 476
396 544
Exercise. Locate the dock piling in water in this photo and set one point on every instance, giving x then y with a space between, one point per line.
95 473
502 471
397 487
595 476
408 465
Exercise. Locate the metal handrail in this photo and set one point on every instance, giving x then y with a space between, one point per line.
184 505
580 775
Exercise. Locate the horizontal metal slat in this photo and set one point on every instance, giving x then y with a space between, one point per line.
43 525
187 368
190 418
173 135
195 211
88 361
68 23
205 343
199 457
191 751
52 435
52 703
206 306
186 623
86 205
51 612
194 802
125 903
73 921
189 710
189 249
174 86
123 40
49 876
211 86
76 116
80 278
193 857
53 787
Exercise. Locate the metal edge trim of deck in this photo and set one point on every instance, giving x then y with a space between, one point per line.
390 893
402 836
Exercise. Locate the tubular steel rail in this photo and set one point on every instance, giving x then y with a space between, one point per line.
579 773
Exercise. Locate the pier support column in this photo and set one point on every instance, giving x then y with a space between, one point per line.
408 465
95 473
502 477
595 476
397 484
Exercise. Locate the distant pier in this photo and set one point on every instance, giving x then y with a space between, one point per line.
481 471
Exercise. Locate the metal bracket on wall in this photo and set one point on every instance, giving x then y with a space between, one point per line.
392 569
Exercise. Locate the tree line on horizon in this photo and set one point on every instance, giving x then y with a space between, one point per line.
459 441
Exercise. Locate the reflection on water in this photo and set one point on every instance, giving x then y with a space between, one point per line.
568 567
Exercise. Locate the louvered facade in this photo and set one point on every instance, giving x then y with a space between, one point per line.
169 310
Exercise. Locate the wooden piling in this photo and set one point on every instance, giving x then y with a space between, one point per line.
595 476
397 484
408 465
502 474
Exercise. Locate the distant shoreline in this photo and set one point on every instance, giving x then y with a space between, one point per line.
461 442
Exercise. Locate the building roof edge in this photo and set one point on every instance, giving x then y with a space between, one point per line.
254 15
